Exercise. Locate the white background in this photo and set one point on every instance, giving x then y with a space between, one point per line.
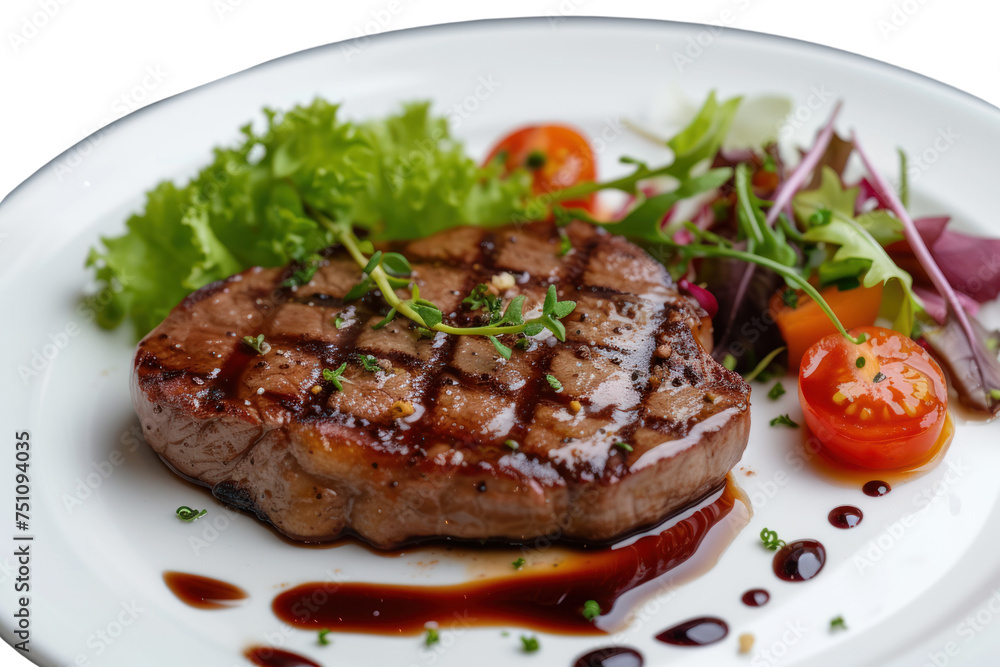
69 67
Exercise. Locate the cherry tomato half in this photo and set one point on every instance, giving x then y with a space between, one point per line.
881 404
556 155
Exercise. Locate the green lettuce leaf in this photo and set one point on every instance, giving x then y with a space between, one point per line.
401 177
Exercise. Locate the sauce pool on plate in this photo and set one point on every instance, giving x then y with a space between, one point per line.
800 560
696 632
548 599
845 516
203 592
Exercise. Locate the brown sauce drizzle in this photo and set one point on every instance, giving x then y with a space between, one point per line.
612 656
265 656
696 632
203 592
756 597
845 516
876 488
800 560
550 600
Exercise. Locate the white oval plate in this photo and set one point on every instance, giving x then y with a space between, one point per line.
915 582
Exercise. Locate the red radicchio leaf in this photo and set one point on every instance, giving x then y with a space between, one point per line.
704 298
937 307
868 193
970 264
961 344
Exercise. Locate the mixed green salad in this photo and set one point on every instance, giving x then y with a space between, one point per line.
779 255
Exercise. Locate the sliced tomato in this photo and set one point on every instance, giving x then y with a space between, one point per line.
881 404
556 155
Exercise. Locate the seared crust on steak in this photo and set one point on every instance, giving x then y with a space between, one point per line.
418 449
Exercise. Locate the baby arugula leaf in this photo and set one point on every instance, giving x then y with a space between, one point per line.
697 143
853 241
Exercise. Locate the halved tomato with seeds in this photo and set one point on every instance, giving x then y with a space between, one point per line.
881 404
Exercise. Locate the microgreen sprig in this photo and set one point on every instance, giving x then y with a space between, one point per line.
784 420
257 344
770 539
384 270
335 377
185 513
305 273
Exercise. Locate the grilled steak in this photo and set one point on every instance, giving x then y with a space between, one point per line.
420 447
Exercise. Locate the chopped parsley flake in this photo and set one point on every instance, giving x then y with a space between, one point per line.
432 637
535 160
518 564
368 362
554 382
837 624
860 363
529 644
729 362
790 297
776 391
512 444
565 245
624 446
784 420
591 610
323 641
335 377
303 275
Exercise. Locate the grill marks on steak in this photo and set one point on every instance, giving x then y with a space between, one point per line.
270 436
